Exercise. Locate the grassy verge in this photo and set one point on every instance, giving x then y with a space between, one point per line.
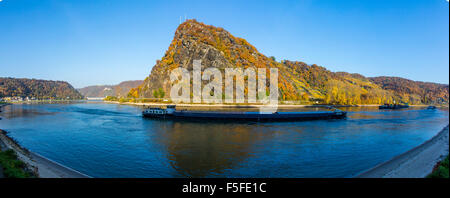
12 166
441 170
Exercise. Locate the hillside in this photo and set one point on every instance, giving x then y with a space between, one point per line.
424 92
39 89
120 90
298 81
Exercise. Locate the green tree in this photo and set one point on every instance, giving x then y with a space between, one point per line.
159 93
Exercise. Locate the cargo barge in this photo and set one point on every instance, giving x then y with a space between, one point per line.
171 113
393 106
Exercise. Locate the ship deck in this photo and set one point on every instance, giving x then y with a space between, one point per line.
255 116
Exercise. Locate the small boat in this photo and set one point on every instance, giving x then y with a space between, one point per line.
170 112
431 107
393 106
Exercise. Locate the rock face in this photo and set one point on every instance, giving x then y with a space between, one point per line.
120 90
197 41
297 81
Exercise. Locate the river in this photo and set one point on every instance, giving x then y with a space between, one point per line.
111 140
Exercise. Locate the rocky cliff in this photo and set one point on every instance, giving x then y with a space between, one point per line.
298 81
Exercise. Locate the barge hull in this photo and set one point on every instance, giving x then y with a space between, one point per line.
252 116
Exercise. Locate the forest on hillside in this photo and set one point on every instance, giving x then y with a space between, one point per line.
39 89
298 82
425 92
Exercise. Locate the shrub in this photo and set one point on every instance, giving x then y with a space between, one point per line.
12 167
111 98
441 171
121 100
159 93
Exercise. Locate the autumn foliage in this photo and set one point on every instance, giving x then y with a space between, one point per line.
298 81
39 89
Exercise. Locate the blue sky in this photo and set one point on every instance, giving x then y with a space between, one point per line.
108 41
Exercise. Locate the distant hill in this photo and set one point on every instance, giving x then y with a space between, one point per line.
39 89
424 92
120 90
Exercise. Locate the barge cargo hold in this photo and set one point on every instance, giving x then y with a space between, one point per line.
171 113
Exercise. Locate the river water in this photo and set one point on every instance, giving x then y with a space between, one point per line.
110 140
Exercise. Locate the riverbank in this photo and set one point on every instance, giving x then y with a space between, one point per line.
415 163
39 165
198 105
44 101
241 105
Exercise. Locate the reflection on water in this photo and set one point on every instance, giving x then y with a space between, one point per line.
205 152
11 112
108 140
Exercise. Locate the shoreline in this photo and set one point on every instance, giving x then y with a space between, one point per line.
43 102
415 163
243 105
203 104
41 166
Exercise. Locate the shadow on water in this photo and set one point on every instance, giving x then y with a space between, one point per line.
96 111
